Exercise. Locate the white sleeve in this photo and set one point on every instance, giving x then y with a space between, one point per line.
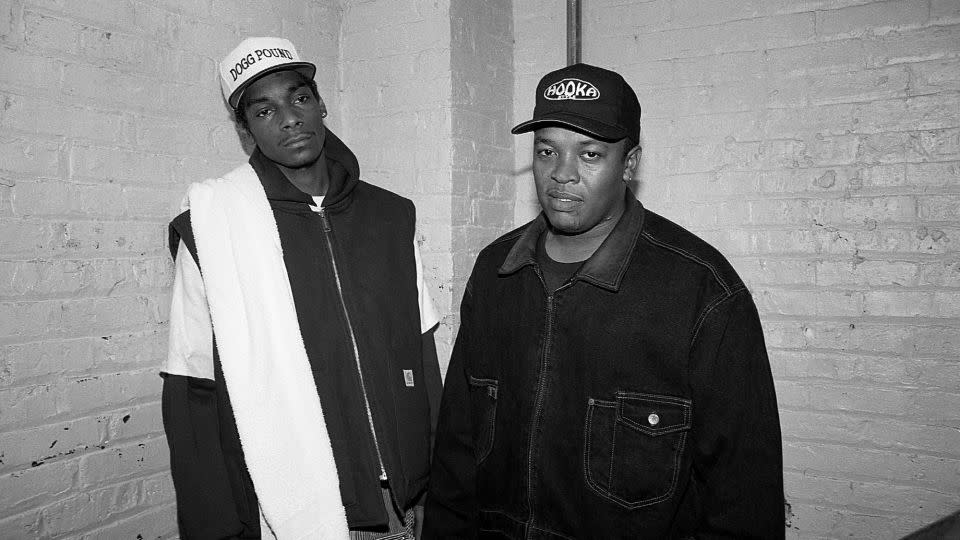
428 313
191 332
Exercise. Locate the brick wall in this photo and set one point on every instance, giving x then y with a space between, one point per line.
108 110
483 192
427 90
396 89
816 143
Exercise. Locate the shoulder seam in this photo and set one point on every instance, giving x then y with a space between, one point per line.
684 253
706 311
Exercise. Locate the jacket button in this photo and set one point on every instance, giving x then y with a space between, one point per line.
654 419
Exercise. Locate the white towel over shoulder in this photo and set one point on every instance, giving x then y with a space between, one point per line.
265 365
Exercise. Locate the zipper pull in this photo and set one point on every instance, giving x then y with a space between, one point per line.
324 219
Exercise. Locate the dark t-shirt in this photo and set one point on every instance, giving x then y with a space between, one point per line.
555 273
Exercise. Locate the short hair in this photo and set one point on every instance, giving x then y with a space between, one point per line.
239 115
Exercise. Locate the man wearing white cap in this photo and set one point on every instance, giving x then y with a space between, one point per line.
302 381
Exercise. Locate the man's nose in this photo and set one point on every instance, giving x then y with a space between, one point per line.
566 170
289 117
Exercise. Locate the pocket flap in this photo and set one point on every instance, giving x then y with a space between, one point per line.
654 414
491 385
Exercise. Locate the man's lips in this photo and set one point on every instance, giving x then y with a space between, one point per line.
296 139
563 196
562 201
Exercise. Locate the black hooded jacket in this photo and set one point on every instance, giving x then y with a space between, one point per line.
353 276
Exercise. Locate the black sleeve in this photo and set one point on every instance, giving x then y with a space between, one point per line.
738 458
205 505
181 229
431 376
451 509
205 478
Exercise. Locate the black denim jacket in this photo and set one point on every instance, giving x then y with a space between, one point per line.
635 401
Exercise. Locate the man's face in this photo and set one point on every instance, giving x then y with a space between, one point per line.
581 181
285 119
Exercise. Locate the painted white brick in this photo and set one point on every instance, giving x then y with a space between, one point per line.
34 114
31 155
91 507
821 520
868 273
122 165
121 462
113 14
873 495
903 468
868 431
865 369
877 17
36 485
37 445
153 523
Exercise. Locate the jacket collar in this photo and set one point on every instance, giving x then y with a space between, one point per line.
342 167
605 268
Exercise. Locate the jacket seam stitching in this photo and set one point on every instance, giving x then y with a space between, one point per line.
709 309
606 493
510 235
684 404
628 256
713 269
555 533
613 454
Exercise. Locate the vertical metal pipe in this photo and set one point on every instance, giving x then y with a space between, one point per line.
573 32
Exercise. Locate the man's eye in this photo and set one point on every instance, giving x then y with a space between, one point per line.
545 152
262 113
301 99
592 155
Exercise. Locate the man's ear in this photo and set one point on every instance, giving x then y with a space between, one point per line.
246 138
631 163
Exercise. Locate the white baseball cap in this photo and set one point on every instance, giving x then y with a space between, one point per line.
255 57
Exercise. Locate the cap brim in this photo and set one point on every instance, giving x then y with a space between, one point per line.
307 69
588 126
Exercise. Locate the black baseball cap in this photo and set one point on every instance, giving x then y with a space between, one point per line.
589 99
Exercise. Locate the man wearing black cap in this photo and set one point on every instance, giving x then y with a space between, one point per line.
609 379
302 374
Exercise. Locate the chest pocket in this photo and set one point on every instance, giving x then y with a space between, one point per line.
633 447
483 412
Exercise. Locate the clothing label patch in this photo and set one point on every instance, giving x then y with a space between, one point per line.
408 377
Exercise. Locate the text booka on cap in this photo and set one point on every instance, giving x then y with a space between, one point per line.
571 89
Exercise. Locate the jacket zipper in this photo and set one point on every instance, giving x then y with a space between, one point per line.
538 402
353 340
541 383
